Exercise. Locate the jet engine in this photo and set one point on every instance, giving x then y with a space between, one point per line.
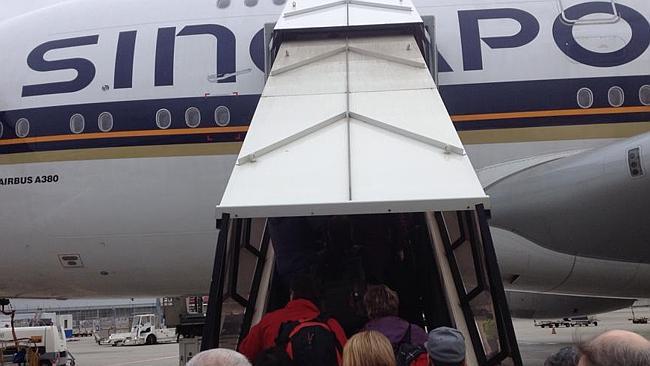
577 224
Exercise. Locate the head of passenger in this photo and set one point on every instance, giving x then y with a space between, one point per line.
382 308
219 357
380 301
303 287
446 347
368 348
615 348
567 356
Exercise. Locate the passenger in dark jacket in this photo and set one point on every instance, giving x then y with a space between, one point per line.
382 306
296 243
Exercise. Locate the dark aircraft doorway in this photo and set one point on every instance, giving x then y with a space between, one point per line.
441 264
347 254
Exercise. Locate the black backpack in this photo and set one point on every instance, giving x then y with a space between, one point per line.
307 342
405 352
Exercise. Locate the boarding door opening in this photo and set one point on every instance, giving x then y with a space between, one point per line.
441 264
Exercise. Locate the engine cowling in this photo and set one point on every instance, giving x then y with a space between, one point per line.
593 204
577 224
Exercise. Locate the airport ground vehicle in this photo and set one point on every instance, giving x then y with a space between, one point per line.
552 323
145 329
48 341
641 320
638 319
567 322
584 321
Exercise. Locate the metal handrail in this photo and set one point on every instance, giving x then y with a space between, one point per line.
488 279
615 17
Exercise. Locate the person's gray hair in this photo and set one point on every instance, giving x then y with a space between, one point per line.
567 356
614 351
219 357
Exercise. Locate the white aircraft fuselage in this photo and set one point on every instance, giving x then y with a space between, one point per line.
120 122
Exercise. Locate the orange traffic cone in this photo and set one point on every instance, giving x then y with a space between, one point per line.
553 331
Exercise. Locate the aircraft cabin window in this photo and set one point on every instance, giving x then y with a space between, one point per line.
192 117
585 97
644 94
615 96
222 116
105 121
22 127
279 2
222 4
250 3
163 118
77 123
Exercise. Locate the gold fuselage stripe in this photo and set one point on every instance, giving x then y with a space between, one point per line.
125 152
553 133
122 134
473 137
549 113
235 129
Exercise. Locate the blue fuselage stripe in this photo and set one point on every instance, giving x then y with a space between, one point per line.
467 99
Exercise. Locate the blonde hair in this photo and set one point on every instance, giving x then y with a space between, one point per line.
381 301
369 348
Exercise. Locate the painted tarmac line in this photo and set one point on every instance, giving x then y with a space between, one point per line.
141 361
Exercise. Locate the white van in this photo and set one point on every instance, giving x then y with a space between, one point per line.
50 341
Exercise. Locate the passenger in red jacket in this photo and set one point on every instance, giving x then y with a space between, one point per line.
302 306
422 360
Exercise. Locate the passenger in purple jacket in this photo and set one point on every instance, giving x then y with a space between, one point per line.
382 306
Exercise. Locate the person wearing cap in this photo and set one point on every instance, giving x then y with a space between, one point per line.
445 347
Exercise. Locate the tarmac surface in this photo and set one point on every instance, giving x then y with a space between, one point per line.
536 344
88 353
